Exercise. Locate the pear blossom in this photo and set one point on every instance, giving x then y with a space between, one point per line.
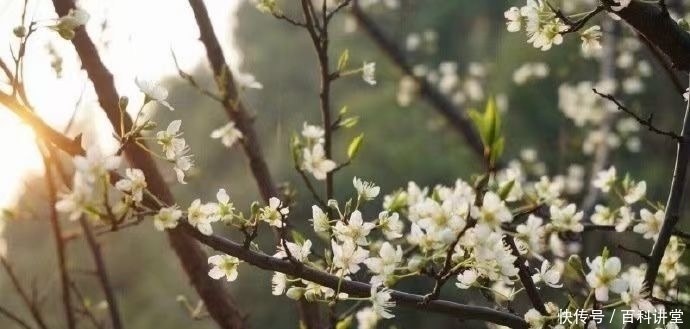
75 17
603 277
66 25
273 213
315 162
224 210
605 179
548 274
246 80
636 295
356 230
312 132
201 216
591 40
603 215
133 183
381 302
621 4
493 211
348 256
391 225
626 217
386 263
319 219
369 73
227 134
167 218
153 92
566 218
367 318
95 165
531 234
514 19
170 140
635 192
365 190
76 203
467 278
224 266
299 252
279 283
650 225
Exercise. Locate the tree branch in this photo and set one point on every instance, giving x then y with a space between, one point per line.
460 123
220 304
236 111
673 207
59 242
354 288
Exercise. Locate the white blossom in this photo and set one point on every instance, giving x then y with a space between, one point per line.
273 213
369 73
348 256
381 302
153 92
650 225
167 218
365 190
223 266
549 274
603 277
315 162
133 183
356 230
605 179
227 134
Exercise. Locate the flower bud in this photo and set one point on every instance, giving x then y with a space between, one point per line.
19 31
295 293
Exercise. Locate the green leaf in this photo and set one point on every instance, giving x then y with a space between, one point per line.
354 146
349 122
343 60
343 110
505 190
496 150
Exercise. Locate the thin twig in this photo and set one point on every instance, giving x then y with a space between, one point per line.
60 247
8 314
648 122
29 303
672 210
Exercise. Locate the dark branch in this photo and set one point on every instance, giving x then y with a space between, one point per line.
648 122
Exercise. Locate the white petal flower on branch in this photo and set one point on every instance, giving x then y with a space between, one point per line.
201 216
621 4
365 190
153 92
367 318
249 81
605 179
356 230
548 274
223 266
167 218
133 183
493 211
603 277
369 73
95 165
635 192
315 162
566 218
381 302
273 213
391 225
279 283
312 132
591 40
227 134
467 278
650 225
319 219
348 256
299 252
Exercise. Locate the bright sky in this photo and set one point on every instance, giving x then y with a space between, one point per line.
139 36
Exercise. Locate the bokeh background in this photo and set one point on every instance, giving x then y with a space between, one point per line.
403 143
